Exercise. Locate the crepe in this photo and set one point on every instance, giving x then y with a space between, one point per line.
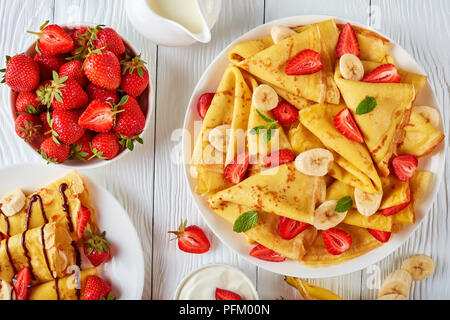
420 183
52 209
283 191
47 251
353 164
61 289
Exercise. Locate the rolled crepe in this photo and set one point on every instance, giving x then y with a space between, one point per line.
47 251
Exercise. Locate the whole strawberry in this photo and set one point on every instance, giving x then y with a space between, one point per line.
81 149
96 248
97 289
28 127
98 93
27 102
105 146
103 69
135 76
130 123
109 38
53 152
21 73
73 70
48 64
53 40
65 126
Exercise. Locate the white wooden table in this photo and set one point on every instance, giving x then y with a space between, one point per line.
153 190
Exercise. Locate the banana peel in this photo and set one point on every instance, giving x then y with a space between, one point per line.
309 291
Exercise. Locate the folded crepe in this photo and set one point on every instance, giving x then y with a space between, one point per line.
282 190
383 127
47 251
62 289
353 164
48 205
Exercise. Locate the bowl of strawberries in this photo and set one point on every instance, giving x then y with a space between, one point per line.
80 96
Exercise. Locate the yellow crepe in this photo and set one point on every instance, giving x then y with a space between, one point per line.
353 164
383 127
282 190
61 289
46 250
420 183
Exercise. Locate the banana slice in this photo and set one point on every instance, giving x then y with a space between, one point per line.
420 266
429 113
392 296
325 216
398 282
367 203
279 33
13 202
219 137
6 290
265 98
314 162
351 67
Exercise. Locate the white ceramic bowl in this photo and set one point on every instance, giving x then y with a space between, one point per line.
224 231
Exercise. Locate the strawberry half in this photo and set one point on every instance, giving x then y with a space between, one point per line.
99 116
53 40
336 241
306 62
97 289
96 248
23 282
382 236
236 170
84 215
222 294
395 209
404 167
191 239
204 102
347 42
347 126
285 113
289 228
278 158
263 253
386 73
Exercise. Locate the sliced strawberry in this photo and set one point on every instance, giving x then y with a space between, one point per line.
82 220
3 236
23 282
263 253
336 241
404 166
346 125
386 73
278 158
53 40
191 239
306 62
236 170
393 210
204 102
285 113
382 236
347 42
222 294
98 117
289 228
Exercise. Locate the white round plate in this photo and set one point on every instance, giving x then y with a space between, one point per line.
125 270
224 231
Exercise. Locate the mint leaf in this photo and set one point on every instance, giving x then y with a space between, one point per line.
367 105
257 130
245 222
266 119
344 204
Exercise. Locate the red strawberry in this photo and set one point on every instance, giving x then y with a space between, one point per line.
73 70
346 125
97 289
96 248
285 113
204 102
109 39
135 76
306 62
130 122
236 170
83 39
103 69
21 73
26 102
347 42
381 236
65 126
395 209
53 152
81 149
84 215
263 253
386 73
23 282
404 166
289 228
28 127
53 40
278 158
105 146
98 93
99 117
48 64
336 241
191 239
3 236
222 294
46 129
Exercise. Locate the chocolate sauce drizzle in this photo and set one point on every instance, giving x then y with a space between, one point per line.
57 289
62 189
78 263
33 199
27 255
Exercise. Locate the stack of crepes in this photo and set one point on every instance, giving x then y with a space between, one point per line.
43 237
393 128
